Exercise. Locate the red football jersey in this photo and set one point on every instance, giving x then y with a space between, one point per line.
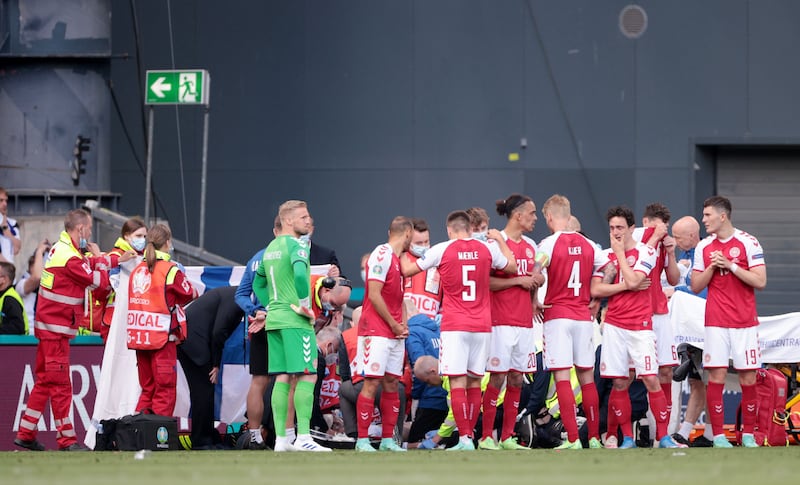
384 266
513 306
464 266
631 310
657 296
573 260
730 303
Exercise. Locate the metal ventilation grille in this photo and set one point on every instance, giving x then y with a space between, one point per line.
633 21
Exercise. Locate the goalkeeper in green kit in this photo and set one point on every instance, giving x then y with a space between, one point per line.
283 282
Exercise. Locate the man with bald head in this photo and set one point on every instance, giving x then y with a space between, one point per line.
686 232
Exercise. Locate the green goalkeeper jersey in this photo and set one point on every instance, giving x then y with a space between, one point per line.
283 274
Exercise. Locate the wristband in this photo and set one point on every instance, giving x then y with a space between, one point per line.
734 268
305 302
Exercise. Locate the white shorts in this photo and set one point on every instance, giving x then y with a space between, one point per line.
737 344
463 353
377 356
568 342
512 348
666 349
624 350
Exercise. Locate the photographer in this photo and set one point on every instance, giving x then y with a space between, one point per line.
28 284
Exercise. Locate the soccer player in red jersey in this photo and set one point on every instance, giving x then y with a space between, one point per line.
654 234
731 264
512 351
571 259
464 266
628 335
381 337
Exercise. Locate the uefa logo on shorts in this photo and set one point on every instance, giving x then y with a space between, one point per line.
162 435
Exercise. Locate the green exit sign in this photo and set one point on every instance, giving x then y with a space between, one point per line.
177 87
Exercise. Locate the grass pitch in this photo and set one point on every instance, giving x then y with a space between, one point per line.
595 467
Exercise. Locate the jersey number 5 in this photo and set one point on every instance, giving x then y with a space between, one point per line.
469 285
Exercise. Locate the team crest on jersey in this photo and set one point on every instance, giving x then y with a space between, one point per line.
140 280
375 367
529 253
707 357
734 252
495 361
631 260
602 366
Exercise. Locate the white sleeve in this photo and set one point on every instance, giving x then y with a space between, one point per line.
755 251
601 259
646 260
379 263
432 257
699 263
499 261
546 246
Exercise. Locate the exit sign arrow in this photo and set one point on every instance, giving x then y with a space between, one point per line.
160 86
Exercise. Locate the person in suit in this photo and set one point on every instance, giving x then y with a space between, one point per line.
210 320
318 254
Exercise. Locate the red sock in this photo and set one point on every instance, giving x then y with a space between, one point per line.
658 405
566 404
489 410
474 407
458 399
510 407
390 409
364 407
667 388
749 405
619 404
591 408
716 409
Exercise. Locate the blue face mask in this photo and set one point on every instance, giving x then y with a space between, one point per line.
305 239
139 243
481 236
418 251
82 242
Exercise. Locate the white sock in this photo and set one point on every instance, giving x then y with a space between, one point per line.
290 436
255 435
686 429
465 439
302 437
708 432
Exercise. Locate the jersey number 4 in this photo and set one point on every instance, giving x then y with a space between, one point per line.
575 279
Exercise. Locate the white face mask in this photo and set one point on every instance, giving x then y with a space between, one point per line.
139 243
364 275
418 251
481 236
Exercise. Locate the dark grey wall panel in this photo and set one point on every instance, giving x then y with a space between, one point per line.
773 69
691 77
44 108
762 186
